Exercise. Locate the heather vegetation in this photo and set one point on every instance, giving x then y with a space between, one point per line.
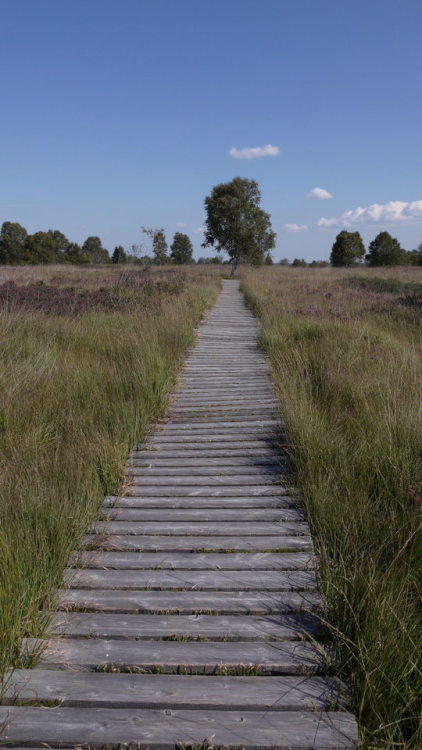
89 357
346 356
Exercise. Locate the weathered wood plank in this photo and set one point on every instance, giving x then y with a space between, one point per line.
226 397
145 543
194 561
162 729
98 690
197 657
251 461
206 478
206 439
257 515
179 627
196 580
212 449
251 424
212 414
253 407
189 602
259 440
270 470
219 501
209 490
198 528
191 451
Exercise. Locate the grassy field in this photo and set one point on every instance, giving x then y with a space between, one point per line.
89 357
345 347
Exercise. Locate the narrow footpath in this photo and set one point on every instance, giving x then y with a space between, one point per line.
191 610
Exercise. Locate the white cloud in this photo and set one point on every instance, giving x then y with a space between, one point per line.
180 224
295 227
254 153
199 230
320 193
394 212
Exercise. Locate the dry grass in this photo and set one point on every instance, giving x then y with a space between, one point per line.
348 366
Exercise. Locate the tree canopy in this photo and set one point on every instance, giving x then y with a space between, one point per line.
119 255
181 249
385 250
236 223
159 244
12 242
94 250
348 249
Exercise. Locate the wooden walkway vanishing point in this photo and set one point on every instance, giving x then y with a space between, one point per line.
191 611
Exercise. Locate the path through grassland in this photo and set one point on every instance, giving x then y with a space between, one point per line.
191 610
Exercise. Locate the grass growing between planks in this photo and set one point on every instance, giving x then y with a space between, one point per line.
85 371
348 365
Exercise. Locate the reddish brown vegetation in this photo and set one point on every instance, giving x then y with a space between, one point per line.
61 300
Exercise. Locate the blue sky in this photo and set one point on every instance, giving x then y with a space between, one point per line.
122 113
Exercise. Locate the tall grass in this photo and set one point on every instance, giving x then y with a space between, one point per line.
77 391
347 365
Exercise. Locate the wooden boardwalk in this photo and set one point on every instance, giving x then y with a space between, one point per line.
191 610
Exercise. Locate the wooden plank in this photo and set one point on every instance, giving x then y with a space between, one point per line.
252 411
97 690
196 657
212 415
212 449
254 421
197 561
225 396
188 627
145 543
240 440
196 580
269 462
190 383
226 438
206 478
269 470
257 402
262 425
211 452
209 490
198 528
162 729
219 501
200 430
189 602
257 515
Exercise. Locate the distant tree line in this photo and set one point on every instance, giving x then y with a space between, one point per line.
18 247
348 250
301 262
384 250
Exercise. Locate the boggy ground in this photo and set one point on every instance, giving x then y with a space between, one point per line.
88 359
345 347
